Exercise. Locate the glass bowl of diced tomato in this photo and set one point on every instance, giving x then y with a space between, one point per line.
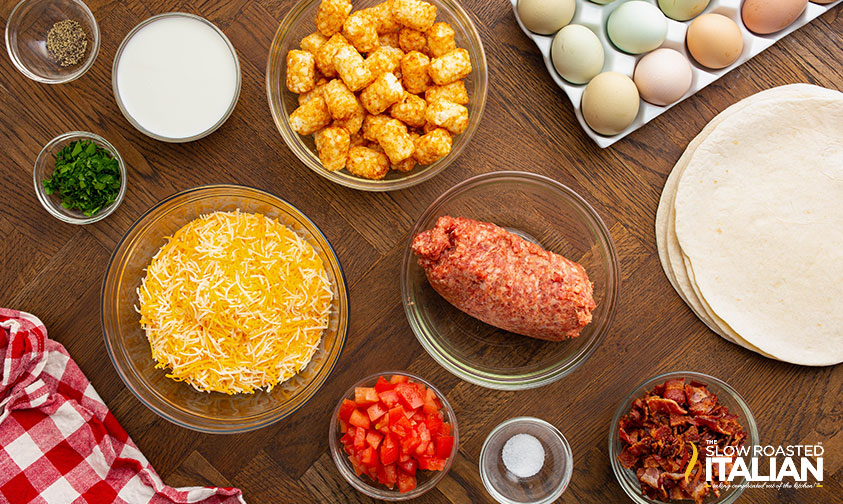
393 436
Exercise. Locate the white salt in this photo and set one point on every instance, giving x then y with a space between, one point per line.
523 455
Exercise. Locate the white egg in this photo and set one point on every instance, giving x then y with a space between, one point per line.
546 17
577 54
663 76
637 27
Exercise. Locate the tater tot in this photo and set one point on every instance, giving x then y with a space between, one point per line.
313 93
385 59
414 72
357 139
341 102
449 115
440 39
331 15
301 71
414 14
313 42
310 117
372 125
367 163
361 30
410 110
352 68
404 166
451 67
433 146
382 93
412 40
325 54
453 92
390 40
333 144
355 121
395 140
382 15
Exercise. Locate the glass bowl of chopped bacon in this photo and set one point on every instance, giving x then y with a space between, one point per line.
206 309
393 436
670 428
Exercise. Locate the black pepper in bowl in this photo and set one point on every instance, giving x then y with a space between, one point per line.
67 42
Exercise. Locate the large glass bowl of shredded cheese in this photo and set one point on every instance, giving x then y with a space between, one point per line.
224 309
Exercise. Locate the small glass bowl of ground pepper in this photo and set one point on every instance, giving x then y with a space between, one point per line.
79 177
52 41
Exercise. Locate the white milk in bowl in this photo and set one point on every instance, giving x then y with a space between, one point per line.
176 77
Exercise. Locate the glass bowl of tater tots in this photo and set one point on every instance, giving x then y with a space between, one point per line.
377 95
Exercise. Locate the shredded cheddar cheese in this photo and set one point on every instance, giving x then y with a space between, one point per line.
234 302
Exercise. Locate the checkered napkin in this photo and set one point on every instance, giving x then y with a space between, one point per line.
58 441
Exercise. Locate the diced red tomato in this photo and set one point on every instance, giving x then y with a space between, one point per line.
373 439
430 407
409 466
409 395
394 379
390 474
382 425
365 395
410 441
389 450
388 397
392 430
355 463
346 408
431 463
359 439
383 385
406 482
444 446
358 419
376 411
368 456
424 438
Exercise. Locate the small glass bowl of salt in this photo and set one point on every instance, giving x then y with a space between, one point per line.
526 460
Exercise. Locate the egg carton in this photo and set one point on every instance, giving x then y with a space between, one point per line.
595 16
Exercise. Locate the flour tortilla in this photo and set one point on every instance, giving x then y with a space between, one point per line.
670 254
672 259
759 221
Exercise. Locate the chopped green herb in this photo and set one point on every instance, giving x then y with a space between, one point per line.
86 178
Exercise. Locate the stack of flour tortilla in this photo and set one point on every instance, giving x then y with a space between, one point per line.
750 224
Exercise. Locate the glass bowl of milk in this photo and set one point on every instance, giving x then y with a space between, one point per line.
176 77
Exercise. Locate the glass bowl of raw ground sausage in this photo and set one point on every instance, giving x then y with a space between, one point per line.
299 23
541 211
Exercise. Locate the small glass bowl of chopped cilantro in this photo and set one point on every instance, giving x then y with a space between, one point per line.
79 177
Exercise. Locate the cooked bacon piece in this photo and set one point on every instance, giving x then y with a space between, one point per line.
669 406
657 432
700 400
675 390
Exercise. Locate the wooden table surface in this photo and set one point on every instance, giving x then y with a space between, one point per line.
55 270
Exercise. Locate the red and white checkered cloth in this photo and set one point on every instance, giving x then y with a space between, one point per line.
58 441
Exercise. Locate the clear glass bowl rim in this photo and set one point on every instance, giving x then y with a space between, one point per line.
361 485
119 99
264 420
295 144
89 62
631 488
549 375
566 447
42 195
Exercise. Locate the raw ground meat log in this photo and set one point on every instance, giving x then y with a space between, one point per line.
504 280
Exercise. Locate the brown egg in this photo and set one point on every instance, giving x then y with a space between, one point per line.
770 16
714 41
